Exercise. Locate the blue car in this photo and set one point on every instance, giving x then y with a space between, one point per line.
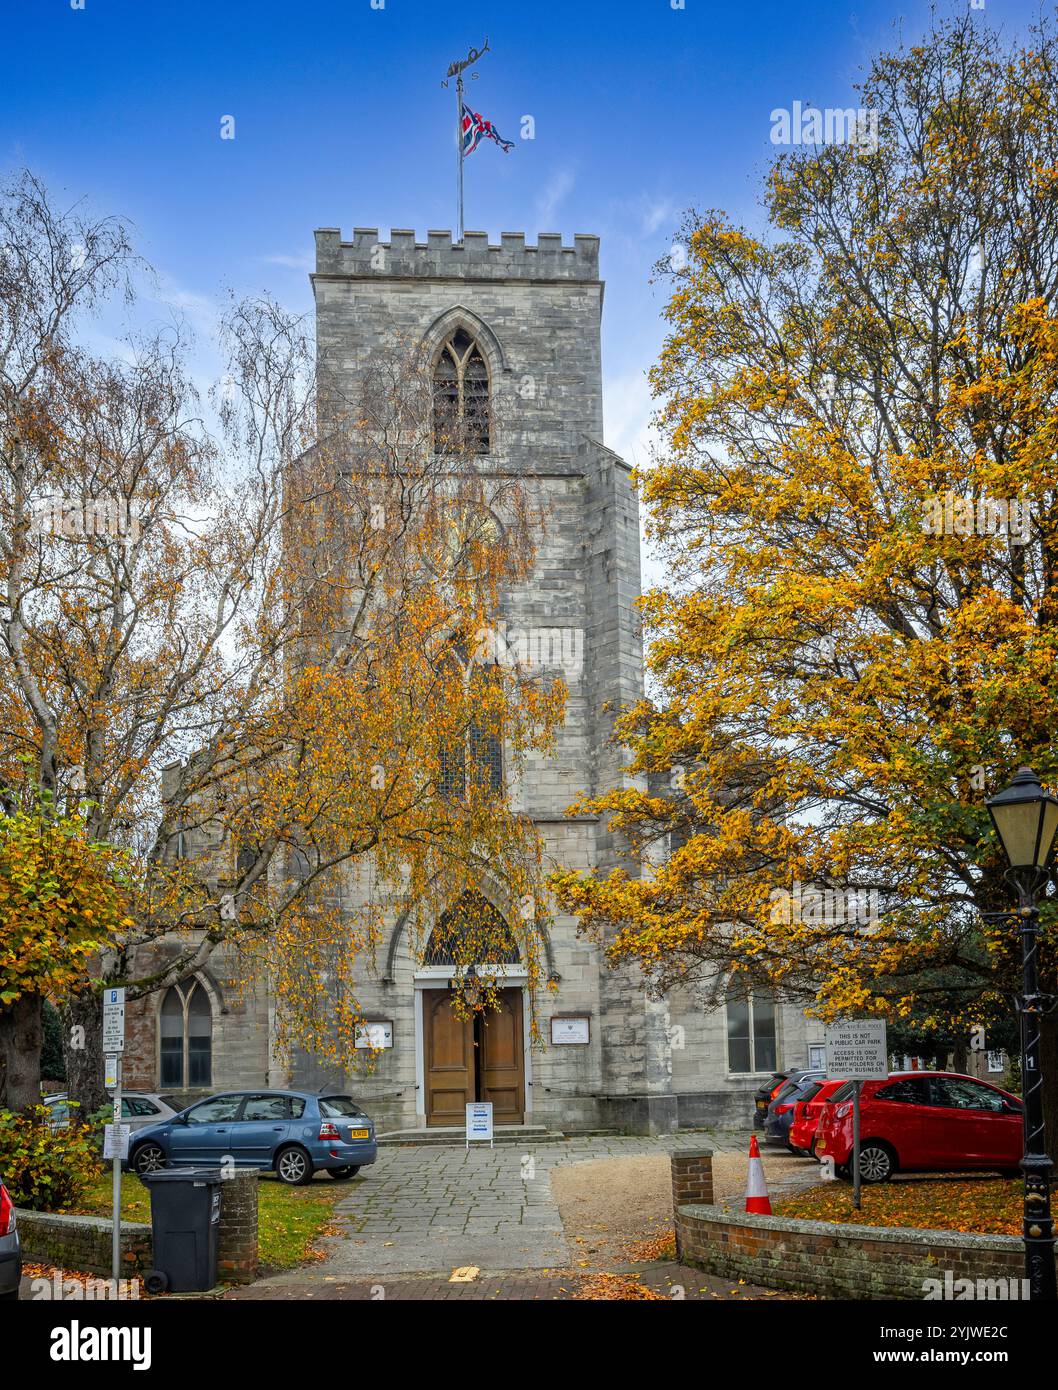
291 1132
781 1111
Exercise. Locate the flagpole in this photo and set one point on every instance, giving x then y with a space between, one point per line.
456 71
459 152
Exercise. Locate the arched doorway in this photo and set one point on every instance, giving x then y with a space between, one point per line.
482 1057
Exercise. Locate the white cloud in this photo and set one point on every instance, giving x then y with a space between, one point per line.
559 187
290 262
627 410
199 310
658 212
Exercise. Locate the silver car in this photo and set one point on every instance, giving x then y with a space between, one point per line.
138 1109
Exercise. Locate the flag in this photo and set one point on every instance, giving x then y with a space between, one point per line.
475 129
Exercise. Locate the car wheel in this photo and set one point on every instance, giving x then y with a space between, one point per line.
155 1282
148 1159
11 1297
293 1166
877 1161
343 1174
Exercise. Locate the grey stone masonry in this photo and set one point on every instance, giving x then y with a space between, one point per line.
439 257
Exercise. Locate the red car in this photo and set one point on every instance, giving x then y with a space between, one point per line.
923 1121
802 1136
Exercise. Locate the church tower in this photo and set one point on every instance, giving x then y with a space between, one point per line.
512 334
522 324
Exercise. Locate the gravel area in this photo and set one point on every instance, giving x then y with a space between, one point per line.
607 1203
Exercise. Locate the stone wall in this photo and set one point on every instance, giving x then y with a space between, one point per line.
83 1243
239 1007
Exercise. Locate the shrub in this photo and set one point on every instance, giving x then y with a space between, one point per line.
44 1169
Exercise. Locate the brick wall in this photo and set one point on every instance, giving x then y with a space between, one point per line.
837 1261
237 1236
692 1182
83 1243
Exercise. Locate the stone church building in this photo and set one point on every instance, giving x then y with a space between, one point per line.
607 1056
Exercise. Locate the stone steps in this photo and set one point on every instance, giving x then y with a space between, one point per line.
454 1136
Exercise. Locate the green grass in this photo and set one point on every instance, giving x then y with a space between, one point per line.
289 1218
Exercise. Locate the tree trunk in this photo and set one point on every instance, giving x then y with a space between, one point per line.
82 1047
21 1040
959 1057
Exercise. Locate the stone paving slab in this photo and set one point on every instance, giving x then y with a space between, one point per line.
425 1210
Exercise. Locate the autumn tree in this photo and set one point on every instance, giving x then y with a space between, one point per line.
857 502
264 628
62 899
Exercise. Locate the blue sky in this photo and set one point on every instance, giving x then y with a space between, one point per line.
641 110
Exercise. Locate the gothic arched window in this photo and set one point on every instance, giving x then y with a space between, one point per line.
472 932
186 1041
461 397
480 758
477 757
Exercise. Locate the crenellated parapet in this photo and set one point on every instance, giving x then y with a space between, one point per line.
439 257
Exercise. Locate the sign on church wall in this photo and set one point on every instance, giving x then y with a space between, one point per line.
570 1028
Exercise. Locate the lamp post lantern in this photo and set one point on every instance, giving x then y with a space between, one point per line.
1026 821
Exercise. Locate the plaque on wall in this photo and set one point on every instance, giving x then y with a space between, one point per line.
570 1028
375 1034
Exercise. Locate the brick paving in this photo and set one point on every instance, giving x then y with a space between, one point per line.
676 1282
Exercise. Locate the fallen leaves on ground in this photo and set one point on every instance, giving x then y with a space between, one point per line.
607 1287
90 1286
983 1206
660 1247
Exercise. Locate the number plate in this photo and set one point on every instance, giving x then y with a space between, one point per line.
359 1133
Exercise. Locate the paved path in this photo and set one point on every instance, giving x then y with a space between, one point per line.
672 1281
427 1209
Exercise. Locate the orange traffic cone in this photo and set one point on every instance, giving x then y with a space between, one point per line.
757 1199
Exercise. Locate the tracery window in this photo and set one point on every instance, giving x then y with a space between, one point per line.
461 417
186 1042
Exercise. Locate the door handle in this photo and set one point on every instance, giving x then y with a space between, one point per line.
277 1129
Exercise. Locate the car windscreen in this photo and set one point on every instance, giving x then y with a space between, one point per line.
335 1107
786 1090
844 1092
811 1090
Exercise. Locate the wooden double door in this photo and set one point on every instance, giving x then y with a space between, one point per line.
469 1059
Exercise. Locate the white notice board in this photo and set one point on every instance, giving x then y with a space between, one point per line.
479 1120
856 1050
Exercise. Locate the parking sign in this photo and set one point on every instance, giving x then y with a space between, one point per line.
114 1020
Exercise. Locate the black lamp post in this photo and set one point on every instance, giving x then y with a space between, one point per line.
1026 821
